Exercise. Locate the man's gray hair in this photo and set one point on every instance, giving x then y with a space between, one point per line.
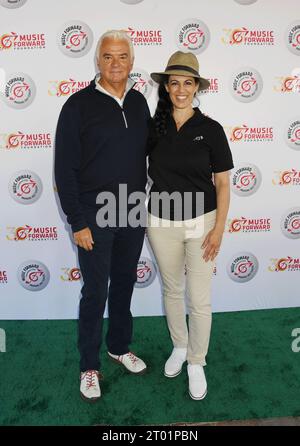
118 34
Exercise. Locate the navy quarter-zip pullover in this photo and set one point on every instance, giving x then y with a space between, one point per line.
99 145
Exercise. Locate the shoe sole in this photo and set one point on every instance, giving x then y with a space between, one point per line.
142 372
198 398
172 376
90 400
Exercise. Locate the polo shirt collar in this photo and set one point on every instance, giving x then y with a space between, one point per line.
194 120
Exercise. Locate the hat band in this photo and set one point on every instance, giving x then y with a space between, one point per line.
183 68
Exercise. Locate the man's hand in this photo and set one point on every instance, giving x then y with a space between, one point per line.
84 239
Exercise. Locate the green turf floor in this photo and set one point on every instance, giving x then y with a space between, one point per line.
251 370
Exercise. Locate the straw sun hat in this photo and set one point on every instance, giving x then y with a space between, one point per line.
182 64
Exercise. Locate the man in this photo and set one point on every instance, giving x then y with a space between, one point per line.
100 144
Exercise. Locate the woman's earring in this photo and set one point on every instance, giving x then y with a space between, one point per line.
196 100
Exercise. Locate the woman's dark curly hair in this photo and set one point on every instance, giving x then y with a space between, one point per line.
164 109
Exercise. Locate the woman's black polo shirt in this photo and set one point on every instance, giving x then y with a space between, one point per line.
185 160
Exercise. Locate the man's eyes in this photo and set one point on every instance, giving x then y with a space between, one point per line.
121 57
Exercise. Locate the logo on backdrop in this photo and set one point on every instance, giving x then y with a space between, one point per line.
33 275
245 2
145 37
285 264
246 84
146 272
292 37
245 36
290 223
143 82
3 277
289 177
245 133
20 140
75 38
245 179
246 225
25 187
131 2
12 4
19 90
71 274
242 267
213 88
287 84
292 134
32 233
192 35
14 41
66 87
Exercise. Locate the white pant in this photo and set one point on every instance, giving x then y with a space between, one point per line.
176 246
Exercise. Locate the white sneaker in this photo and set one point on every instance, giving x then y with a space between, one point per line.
89 385
174 364
131 362
197 382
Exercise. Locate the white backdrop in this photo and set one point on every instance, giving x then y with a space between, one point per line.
249 49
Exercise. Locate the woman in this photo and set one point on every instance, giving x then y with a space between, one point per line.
190 159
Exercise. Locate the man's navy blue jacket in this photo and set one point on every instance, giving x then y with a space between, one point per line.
99 145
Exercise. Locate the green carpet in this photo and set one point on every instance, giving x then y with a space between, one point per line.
252 372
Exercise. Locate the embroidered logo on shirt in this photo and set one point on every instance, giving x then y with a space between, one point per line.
198 138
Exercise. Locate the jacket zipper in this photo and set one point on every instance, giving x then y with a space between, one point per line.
123 113
124 117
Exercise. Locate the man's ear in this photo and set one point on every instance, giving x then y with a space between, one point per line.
132 62
167 88
98 63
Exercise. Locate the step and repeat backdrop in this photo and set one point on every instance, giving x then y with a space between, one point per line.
250 51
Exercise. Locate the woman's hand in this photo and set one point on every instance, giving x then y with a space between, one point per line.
213 239
212 245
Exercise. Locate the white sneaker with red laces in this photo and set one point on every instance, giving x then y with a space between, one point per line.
131 362
89 385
